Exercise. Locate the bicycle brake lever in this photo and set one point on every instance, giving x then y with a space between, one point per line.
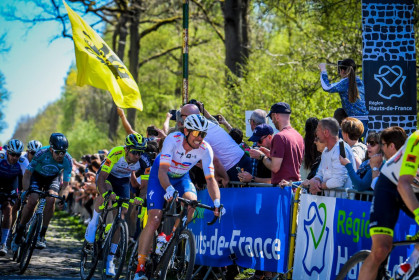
216 217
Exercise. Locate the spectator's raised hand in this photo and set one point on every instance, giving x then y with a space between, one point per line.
267 152
322 66
343 161
168 116
376 160
222 120
120 112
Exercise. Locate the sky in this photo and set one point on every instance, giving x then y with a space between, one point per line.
34 68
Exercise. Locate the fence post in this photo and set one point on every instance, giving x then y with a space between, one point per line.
293 232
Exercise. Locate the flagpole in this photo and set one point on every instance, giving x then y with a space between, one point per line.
185 52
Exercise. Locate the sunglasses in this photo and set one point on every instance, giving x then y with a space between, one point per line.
135 152
59 152
15 154
183 116
196 133
372 143
261 139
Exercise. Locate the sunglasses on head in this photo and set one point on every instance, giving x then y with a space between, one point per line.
15 154
135 152
59 152
371 143
196 133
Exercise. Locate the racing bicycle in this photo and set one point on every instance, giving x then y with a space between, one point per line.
177 259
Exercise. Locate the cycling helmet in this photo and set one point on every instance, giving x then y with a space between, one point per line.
136 141
58 141
34 146
15 146
196 122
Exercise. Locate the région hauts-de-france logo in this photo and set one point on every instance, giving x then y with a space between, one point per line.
316 239
391 81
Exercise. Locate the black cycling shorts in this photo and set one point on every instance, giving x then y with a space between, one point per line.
386 205
44 183
8 197
8 185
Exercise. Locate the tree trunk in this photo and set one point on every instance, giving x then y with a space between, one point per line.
134 51
121 30
236 35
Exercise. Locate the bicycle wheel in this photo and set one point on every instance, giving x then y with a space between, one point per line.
89 259
179 258
28 246
132 262
351 268
120 227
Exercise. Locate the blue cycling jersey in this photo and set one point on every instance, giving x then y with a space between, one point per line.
9 171
44 164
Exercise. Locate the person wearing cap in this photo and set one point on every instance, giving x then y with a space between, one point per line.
262 137
287 146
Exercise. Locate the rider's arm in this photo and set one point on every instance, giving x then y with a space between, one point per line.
102 187
134 182
406 192
125 123
163 177
26 180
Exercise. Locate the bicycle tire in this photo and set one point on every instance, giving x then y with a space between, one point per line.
132 262
30 242
88 260
179 258
121 251
353 262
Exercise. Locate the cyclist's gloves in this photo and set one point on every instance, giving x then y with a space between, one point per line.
217 204
169 192
416 213
23 196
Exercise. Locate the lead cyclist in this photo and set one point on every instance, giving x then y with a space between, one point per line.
396 188
170 173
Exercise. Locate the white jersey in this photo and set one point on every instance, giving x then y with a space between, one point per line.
180 162
225 148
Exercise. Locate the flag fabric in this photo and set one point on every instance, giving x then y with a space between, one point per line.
99 66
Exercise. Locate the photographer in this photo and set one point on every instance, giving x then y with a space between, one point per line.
350 89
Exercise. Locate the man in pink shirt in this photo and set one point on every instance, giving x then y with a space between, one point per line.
287 146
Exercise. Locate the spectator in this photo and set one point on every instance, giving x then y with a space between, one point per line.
352 129
392 139
350 89
227 154
258 117
223 121
362 178
237 135
262 137
311 153
287 146
331 174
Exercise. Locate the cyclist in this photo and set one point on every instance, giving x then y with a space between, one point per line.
393 191
12 167
44 173
170 172
116 174
33 147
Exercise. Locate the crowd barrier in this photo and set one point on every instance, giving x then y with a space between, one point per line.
260 226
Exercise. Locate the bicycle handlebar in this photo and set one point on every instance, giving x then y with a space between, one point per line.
43 194
119 200
195 203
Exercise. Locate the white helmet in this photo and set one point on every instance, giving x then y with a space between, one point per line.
34 146
15 146
196 122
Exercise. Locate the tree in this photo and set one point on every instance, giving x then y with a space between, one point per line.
4 96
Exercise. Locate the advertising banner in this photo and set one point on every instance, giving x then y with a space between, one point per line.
331 230
255 229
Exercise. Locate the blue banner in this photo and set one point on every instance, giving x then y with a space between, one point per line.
331 230
255 229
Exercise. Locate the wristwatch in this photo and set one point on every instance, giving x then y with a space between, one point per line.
375 169
262 156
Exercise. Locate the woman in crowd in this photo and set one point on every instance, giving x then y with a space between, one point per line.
350 89
311 157
362 178
352 129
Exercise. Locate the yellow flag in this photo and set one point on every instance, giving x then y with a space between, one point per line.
99 66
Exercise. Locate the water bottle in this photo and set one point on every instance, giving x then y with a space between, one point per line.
161 242
401 271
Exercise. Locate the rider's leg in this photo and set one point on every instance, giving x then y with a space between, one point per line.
381 247
7 221
48 213
146 237
27 213
92 226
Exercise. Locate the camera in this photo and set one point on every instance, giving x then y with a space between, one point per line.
217 117
173 113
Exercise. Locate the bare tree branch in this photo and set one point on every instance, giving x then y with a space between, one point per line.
158 25
208 19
